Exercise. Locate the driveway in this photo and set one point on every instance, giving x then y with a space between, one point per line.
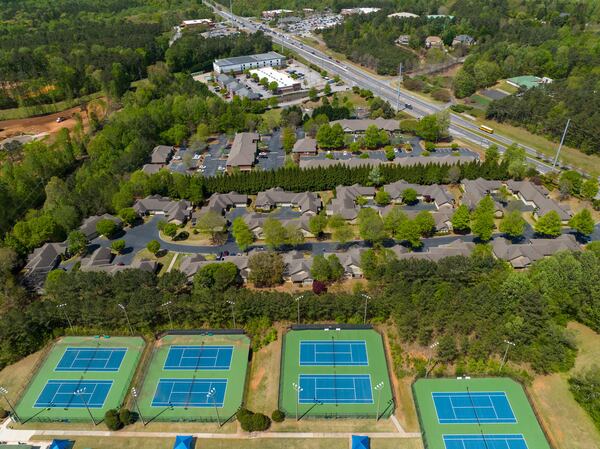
275 154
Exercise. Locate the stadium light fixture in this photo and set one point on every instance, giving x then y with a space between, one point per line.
4 392
298 389
378 388
166 306
298 306
80 394
232 303
211 395
134 395
367 298
122 307
508 344
62 307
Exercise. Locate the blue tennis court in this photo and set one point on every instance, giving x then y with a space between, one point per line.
91 359
485 442
61 393
189 393
199 357
473 408
333 353
335 389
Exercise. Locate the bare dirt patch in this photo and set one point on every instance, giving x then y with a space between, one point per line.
43 124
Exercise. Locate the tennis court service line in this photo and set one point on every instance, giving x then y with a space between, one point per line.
477 418
194 376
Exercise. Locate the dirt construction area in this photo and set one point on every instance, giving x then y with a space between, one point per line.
43 124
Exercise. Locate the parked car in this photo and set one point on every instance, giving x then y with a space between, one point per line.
60 119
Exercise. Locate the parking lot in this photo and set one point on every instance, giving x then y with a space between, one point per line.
216 158
275 156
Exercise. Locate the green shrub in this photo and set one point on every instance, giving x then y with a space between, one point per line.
4 414
277 416
126 417
253 422
112 420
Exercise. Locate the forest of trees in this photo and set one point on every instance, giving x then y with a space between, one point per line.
476 302
56 50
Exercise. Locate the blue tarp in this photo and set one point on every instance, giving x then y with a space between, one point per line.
183 442
60 444
360 442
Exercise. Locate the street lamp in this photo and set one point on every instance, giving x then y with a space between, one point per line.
166 306
367 297
232 303
62 307
122 307
298 389
431 346
80 394
134 394
211 395
378 388
298 306
4 392
508 345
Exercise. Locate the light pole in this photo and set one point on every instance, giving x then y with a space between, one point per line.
298 389
211 395
508 345
378 388
232 303
4 392
431 346
298 306
62 307
166 306
134 394
122 307
80 393
367 297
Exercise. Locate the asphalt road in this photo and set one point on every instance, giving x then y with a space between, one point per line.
355 76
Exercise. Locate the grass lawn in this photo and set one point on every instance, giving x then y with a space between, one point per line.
32 111
273 114
263 387
568 155
14 377
396 443
567 424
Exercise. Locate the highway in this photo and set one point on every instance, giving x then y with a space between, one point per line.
460 127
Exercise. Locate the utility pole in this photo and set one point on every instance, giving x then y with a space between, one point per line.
62 307
298 306
4 392
378 388
561 143
166 306
232 311
508 345
431 346
134 394
398 91
211 395
80 393
298 390
367 297
122 307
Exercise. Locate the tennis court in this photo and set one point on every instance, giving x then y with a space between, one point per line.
199 357
334 373
190 393
473 407
91 359
479 413
198 376
332 352
485 442
340 389
74 393
77 371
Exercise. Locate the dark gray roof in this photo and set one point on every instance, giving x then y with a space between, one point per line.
361 125
305 145
305 201
161 154
243 150
235 60
88 227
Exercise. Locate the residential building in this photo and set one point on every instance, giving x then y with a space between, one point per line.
272 13
238 64
39 263
344 203
524 254
403 39
297 268
88 227
537 197
351 261
243 152
190 265
439 160
463 39
359 126
431 194
151 169
475 190
434 42
436 253
306 146
100 257
161 154
306 202
221 203
177 212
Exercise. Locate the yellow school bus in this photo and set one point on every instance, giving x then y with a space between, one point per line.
486 129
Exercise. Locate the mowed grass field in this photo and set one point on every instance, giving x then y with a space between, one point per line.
567 424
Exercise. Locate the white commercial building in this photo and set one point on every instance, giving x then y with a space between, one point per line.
239 64
284 81
351 11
